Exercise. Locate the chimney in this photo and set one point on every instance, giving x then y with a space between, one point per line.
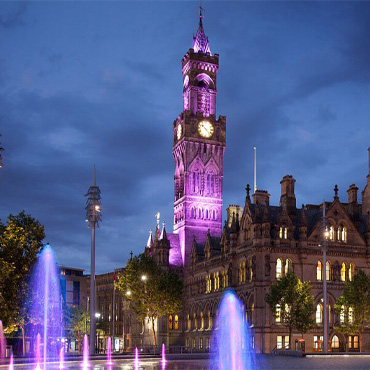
261 197
287 199
352 194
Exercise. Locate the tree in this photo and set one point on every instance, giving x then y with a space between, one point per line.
353 306
151 292
291 301
20 242
79 323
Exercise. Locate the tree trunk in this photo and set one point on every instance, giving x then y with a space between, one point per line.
360 340
154 336
23 342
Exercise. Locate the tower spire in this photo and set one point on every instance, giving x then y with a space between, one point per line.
200 40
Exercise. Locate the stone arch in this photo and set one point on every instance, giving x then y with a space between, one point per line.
203 80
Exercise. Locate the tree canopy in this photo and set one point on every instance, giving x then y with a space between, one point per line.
151 291
20 242
353 306
290 301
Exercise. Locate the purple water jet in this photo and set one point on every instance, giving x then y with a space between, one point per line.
38 352
109 351
61 358
232 342
163 354
11 363
45 305
136 359
85 353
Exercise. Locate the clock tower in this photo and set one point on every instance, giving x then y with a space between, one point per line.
199 141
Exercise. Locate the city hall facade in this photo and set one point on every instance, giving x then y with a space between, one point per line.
252 249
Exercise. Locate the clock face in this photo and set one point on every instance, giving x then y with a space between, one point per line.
179 132
205 128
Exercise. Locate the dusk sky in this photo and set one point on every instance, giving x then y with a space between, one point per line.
99 82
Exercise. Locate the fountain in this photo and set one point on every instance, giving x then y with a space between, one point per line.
11 363
109 351
61 358
2 342
231 340
136 359
45 306
163 354
85 352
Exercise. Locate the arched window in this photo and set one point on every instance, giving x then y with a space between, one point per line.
335 342
288 266
351 271
343 272
319 312
344 234
176 323
319 271
331 233
252 314
283 233
170 322
244 271
279 268
201 321
188 326
250 269
328 267
192 213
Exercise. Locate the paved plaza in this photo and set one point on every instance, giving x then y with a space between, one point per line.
261 362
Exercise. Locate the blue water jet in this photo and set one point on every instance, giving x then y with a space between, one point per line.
45 305
232 342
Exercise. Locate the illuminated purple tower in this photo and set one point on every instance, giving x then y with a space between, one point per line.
198 149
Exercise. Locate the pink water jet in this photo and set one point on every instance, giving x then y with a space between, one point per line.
136 360
11 363
109 351
163 354
61 358
85 363
38 352
2 341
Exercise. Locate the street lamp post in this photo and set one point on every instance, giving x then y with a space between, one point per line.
93 216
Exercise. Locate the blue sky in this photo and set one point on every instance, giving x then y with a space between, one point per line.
100 82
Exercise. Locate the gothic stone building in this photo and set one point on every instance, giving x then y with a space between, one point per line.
259 242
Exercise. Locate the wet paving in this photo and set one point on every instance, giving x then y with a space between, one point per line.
261 362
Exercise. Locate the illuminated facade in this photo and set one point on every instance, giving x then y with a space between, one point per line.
259 242
198 148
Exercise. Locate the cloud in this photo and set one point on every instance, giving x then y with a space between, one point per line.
14 17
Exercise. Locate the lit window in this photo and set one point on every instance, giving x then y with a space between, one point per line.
288 266
319 312
344 235
343 272
170 324
328 264
331 233
250 269
285 233
350 315
335 342
286 341
351 271
281 233
341 316
319 271
176 323
278 313
279 342
355 342
200 343
279 268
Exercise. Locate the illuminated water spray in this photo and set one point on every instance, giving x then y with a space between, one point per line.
11 363
46 306
232 342
85 350
109 351
136 359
